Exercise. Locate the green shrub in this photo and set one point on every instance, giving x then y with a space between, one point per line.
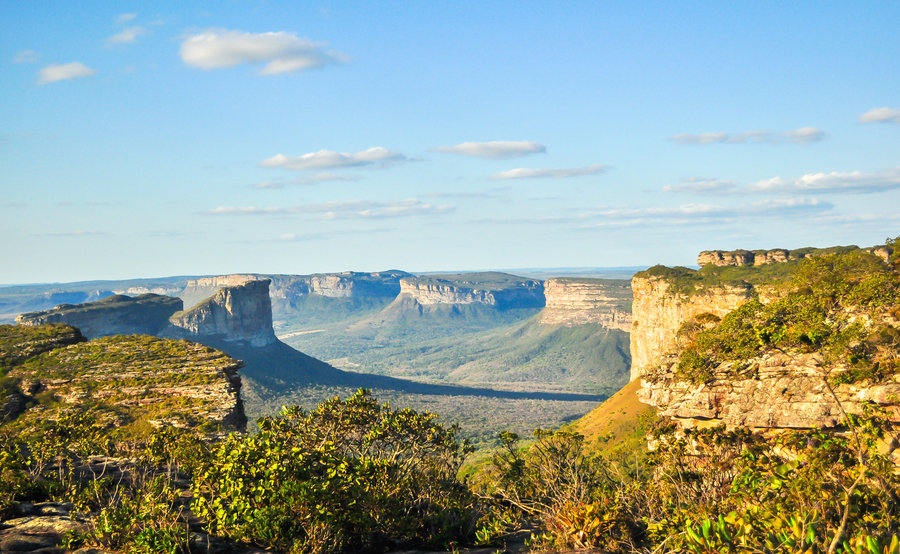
351 474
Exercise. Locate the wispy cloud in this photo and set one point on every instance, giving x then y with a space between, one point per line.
26 56
836 182
325 159
324 235
78 233
561 173
310 180
881 115
354 209
498 149
63 72
802 135
127 36
704 214
855 182
125 17
702 185
281 52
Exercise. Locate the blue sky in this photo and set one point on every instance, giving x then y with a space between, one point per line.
167 138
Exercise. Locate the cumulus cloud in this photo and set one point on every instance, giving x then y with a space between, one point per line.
881 115
26 56
353 209
498 149
281 52
127 36
802 135
523 173
702 185
310 180
325 159
74 70
855 182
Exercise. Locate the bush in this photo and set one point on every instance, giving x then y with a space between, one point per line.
352 474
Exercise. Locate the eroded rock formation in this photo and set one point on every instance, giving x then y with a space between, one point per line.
234 313
488 289
571 301
659 310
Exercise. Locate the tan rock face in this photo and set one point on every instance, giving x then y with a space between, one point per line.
778 391
659 312
581 301
746 257
529 294
198 290
233 313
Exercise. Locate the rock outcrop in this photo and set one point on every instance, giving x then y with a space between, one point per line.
781 387
114 315
659 310
234 313
197 290
780 391
499 290
126 379
579 301
738 258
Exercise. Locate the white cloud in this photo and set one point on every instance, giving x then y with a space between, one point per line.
281 52
324 159
523 173
498 149
127 36
354 209
74 70
855 182
26 56
701 185
125 17
802 135
881 115
312 179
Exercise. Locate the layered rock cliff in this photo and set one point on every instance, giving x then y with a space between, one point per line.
810 341
499 290
197 290
234 313
114 315
579 301
659 310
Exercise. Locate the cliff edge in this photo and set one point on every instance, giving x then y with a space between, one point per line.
234 313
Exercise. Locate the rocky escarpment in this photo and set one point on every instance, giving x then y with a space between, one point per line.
498 290
571 301
781 391
234 313
810 342
197 290
659 310
738 258
113 315
125 381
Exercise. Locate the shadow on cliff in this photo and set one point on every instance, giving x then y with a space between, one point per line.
279 368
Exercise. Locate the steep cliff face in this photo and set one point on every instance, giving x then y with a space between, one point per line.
819 338
571 301
348 284
197 290
659 310
114 315
499 290
234 313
